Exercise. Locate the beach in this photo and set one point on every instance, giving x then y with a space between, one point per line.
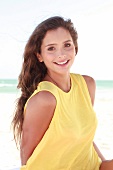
104 133
9 154
103 107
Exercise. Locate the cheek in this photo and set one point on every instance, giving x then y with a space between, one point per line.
50 55
72 52
47 58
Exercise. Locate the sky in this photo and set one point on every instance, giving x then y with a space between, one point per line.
93 20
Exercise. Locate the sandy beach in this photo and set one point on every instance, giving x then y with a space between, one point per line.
104 133
10 155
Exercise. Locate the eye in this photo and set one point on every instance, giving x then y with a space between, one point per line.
51 49
67 45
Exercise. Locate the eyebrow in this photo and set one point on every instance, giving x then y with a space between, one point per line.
56 44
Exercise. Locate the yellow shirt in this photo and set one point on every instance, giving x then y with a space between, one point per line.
68 142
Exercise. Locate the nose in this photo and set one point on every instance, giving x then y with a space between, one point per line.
61 54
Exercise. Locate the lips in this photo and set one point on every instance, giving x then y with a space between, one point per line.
62 62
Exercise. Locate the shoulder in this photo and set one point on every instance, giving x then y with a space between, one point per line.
39 112
42 98
40 105
89 81
91 86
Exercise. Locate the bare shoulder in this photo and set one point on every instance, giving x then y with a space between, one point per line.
91 86
40 110
44 98
89 81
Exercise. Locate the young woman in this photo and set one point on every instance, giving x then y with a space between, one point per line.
54 120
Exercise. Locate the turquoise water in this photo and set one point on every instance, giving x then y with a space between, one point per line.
10 85
104 84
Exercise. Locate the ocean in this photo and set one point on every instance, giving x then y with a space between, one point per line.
10 157
104 89
10 85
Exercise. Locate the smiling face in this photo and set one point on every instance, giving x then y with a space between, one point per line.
57 51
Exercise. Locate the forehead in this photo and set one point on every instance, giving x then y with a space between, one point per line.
57 34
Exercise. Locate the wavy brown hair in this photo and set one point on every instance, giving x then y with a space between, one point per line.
33 71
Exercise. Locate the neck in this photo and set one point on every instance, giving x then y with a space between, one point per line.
61 81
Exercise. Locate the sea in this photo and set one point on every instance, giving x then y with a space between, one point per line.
10 155
8 86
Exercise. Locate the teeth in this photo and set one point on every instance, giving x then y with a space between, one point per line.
61 63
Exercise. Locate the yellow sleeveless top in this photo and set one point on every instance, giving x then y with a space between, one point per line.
68 142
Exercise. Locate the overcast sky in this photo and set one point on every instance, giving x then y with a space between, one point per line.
93 20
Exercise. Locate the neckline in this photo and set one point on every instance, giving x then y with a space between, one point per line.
48 82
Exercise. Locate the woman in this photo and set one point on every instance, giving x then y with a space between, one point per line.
54 119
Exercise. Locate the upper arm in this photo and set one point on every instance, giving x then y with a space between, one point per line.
39 112
91 87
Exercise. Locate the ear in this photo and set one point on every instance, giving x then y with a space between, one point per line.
39 57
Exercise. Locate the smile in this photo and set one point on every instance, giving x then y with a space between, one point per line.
62 63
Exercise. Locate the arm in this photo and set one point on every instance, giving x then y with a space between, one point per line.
98 152
107 165
92 87
39 112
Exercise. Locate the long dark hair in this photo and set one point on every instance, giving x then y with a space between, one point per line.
34 71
